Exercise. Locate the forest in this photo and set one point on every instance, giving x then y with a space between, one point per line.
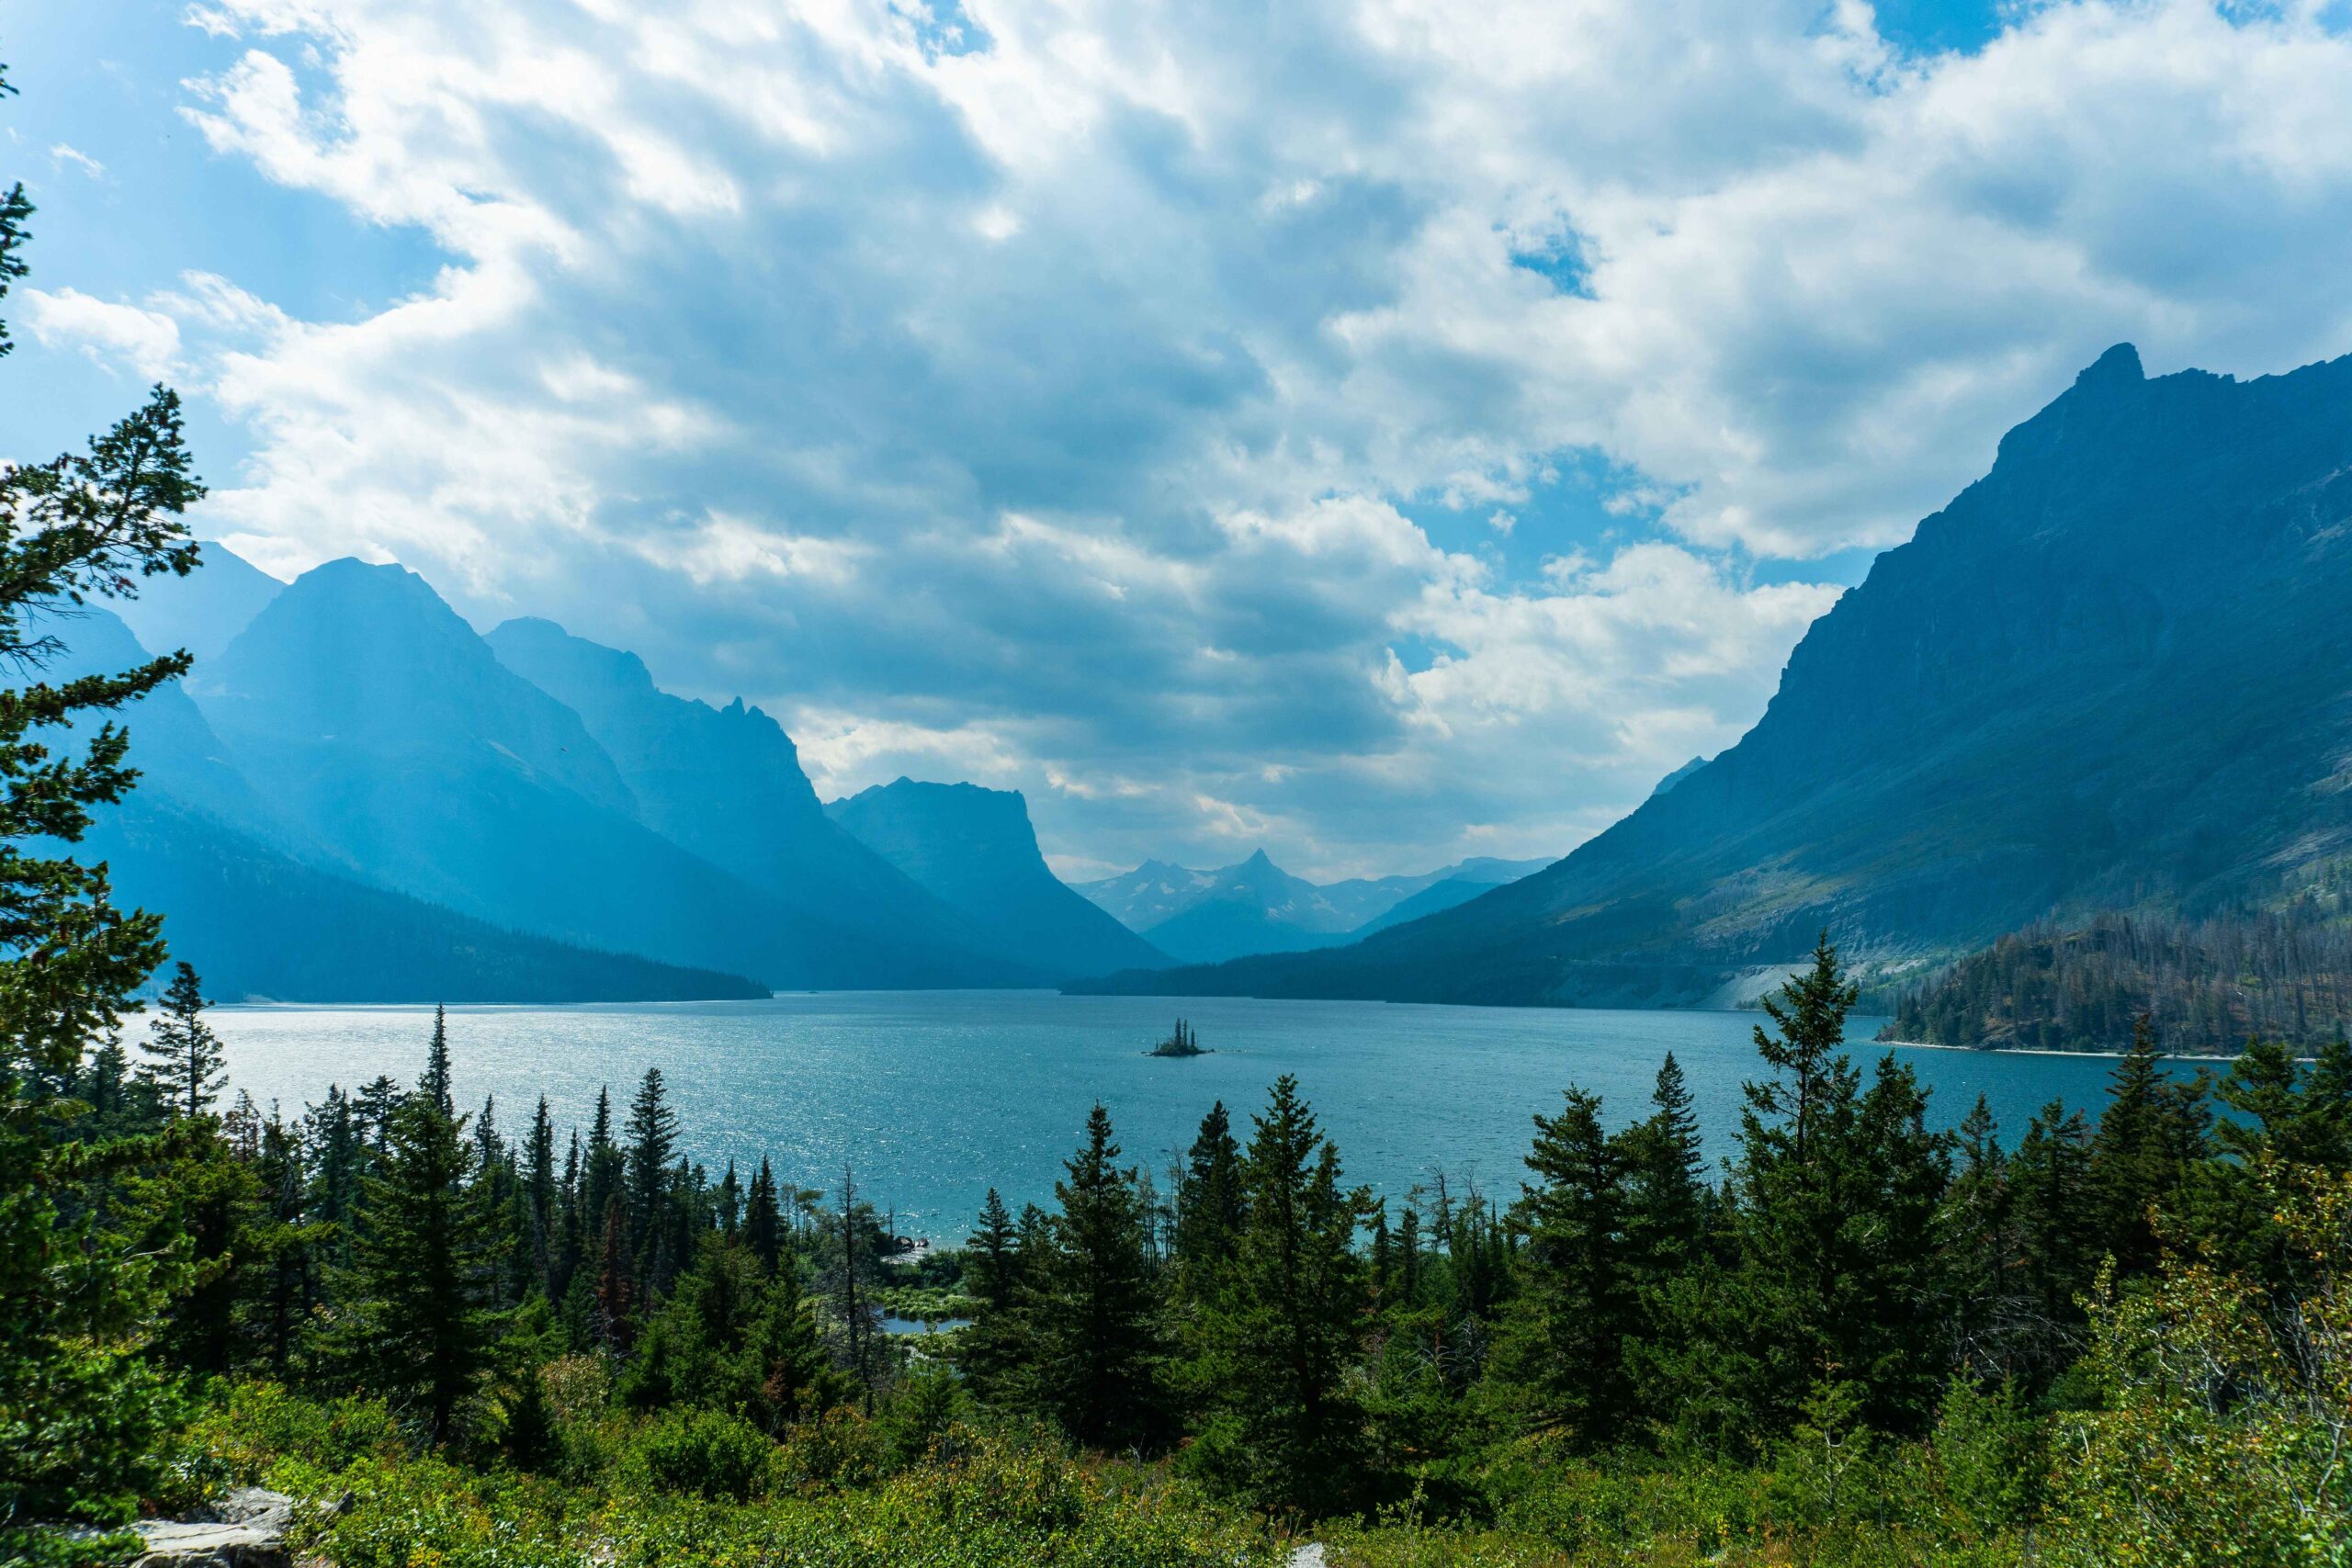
2206 986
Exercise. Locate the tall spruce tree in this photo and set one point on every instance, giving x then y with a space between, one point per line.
762 1221
1563 1349
651 1141
81 1407
416 1313
1097 1353
1209 1204
1274 1350
435 1084
185 1068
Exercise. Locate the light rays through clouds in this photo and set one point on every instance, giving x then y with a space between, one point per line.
1386 431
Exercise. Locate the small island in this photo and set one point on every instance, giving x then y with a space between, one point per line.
1182 1043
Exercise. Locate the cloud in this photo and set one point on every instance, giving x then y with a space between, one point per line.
1162 407
64 156
117 336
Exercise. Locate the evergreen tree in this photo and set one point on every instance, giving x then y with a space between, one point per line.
763 1222
1665 1199
991 1269
730 1204
2141 1156
1209 1204
82 1406
2055 1201
651 1137
1837 1192
1275 1348
436 1085
1097 1355
541 1198
186 1072
1563 1351
415 1315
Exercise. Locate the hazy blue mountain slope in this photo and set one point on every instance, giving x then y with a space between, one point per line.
371 716
1457 885
726 784
2116 671
260 926
204 611
976 849
1142 899
1256 907
194 842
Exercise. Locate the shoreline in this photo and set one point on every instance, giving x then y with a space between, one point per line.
2046 1050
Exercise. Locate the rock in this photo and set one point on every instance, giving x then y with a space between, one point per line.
247 1529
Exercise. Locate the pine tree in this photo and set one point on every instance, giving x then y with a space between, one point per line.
82 526
651 1136
730 1204
1563 1350
994 1256
2056 1203
1275 1348
762 1221
1665 1194
2139 1158
1209 1204
1097 1355
416 1316
436 1085
540 1196
186 1072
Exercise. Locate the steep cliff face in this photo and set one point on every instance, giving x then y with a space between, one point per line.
976 850
2115 672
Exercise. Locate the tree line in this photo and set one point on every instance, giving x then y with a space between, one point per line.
2206 986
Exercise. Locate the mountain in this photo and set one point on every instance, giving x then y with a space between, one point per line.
372 718
974 849
1676 777
257 923
2115 672
204 611
1153 892
1204 917
726 784
1454 885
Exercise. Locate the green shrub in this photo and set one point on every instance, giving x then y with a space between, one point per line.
704 1453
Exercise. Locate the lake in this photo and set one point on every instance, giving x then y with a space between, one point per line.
936 1096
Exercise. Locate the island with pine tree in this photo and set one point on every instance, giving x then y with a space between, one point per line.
1182 1041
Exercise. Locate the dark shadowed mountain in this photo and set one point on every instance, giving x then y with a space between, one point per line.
2115 672
1257 907
726 784
202 611
195 841
974 849
372 719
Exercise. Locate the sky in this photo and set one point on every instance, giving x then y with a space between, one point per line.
1379 431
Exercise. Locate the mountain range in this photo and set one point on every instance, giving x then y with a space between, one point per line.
2115 672
1254 907
356 797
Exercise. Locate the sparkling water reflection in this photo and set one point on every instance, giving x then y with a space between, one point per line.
937 1096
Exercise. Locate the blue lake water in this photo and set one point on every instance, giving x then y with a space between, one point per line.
934 1096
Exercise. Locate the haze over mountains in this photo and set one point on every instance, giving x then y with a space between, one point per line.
1204 917
358 798
2115 672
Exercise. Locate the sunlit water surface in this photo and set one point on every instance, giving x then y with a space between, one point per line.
934 1096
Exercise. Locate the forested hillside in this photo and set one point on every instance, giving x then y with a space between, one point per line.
2207 986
